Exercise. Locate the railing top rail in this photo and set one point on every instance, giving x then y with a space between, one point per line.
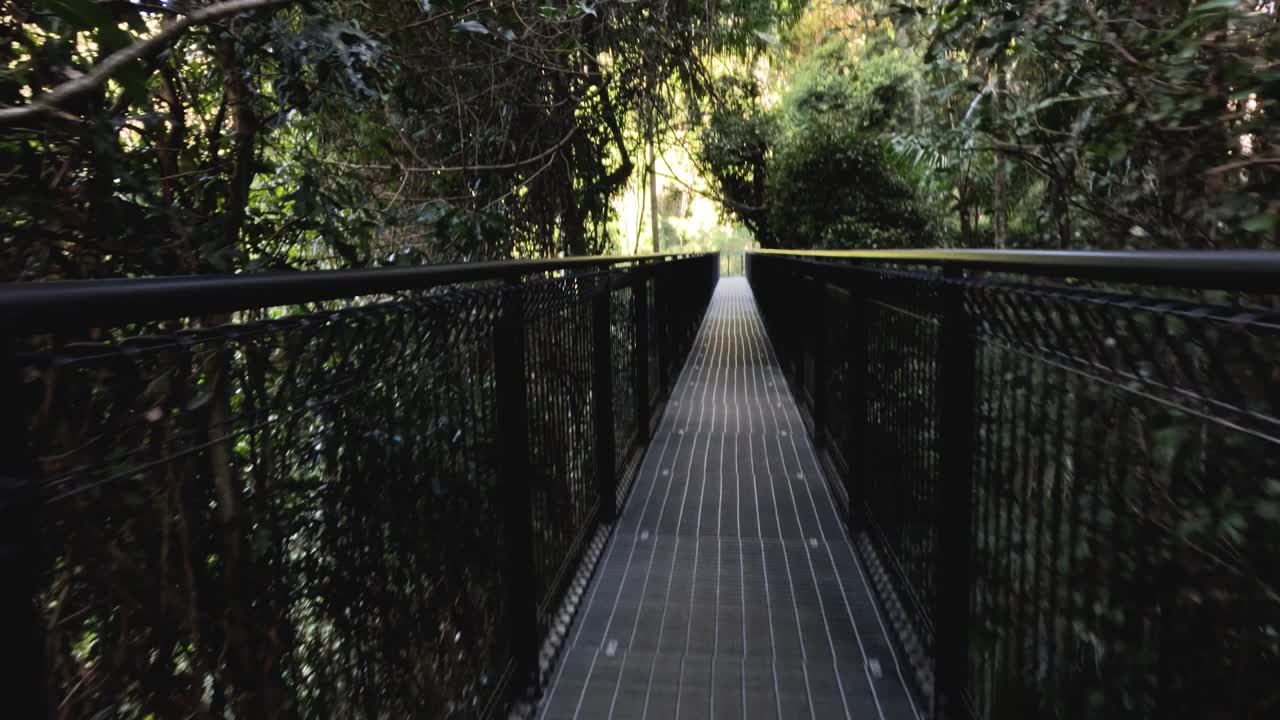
25 306
1218 269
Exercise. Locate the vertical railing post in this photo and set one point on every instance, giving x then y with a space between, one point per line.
794 308
662 323
513 437
22 665
602 398
955 390
640 315
818 335
856 400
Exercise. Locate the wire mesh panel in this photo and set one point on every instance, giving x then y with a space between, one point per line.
899 470
561 442
362 507
1072 485
835 386
682 294
654 367
248 515
731 264
1126 501
622 345
813 338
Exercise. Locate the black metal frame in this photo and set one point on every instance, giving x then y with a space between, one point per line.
1035 448
732 264
1237 270
516 332
90 303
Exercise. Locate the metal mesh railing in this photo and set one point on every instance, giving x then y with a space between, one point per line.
1068 468
316 495
732 264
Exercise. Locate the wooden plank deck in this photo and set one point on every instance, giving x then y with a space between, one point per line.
729 588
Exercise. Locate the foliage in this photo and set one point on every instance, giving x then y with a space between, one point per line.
833 182
239 525
192 159
735 147
816 169
1020 123
322 134
1105 123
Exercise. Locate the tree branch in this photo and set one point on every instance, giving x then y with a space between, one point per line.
456 168
52 101
1242 164
735 206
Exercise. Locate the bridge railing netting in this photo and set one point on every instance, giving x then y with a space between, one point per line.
342 499
1067 474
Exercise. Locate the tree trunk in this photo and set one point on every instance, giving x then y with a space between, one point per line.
245 133
1000 181
653 183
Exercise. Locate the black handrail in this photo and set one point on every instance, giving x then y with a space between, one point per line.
1064 468
112 301
356 493
1243 270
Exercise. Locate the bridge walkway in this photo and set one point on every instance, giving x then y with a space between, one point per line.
729 588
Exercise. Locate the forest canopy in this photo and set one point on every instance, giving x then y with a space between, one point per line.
177 137
167 137
1059 124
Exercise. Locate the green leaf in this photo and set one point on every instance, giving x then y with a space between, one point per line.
89 15
433 211
80 14
1232 527
111 38
133 78
768 38
1262 223
471 26
1215 6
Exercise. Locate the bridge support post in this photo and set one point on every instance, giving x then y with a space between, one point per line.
856 401
795 308
956 446
602 400
513 437
663 320
818 333
640 315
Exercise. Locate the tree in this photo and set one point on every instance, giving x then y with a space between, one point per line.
1131 124
817 169
251 134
